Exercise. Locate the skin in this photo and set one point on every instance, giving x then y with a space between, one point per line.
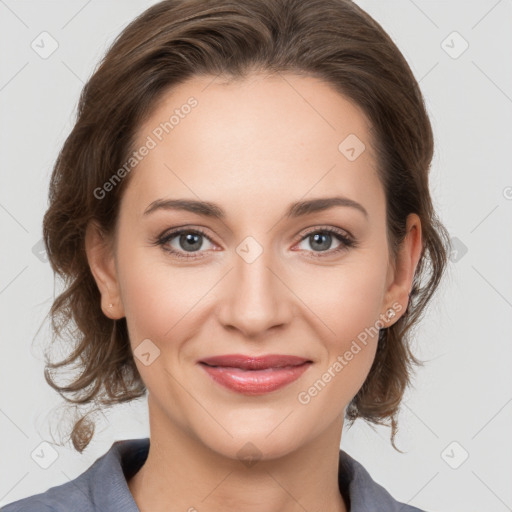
253 147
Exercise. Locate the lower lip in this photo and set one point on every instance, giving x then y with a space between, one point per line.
255 382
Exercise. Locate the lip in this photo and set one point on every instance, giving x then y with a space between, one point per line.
253 375
254 362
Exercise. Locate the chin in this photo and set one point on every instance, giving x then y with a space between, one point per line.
251 448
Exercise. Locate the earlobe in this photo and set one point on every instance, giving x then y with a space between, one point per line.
100 256
407 260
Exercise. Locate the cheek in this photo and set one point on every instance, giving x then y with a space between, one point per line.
159 306
163 302
350 349
141 288
347 304
346 299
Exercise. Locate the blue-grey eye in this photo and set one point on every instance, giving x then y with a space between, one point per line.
320 241
188 241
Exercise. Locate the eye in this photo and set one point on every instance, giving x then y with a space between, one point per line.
321 239
182 241
189 243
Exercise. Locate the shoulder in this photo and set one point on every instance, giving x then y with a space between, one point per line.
103 485
366 495
73 495
27 505
56 499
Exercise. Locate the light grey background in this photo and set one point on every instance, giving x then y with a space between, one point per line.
461 404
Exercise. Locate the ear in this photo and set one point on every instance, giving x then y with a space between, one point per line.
100 255
401 272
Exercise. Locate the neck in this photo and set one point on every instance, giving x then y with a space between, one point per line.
181 474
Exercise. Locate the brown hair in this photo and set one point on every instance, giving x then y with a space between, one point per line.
333 40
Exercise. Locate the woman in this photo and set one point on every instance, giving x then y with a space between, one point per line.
217 144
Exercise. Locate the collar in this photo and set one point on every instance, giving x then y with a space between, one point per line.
104 485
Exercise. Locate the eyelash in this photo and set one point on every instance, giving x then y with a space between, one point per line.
346 242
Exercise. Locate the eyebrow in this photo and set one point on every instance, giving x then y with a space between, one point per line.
212 210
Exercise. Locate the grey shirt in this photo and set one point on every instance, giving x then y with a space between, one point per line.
103 487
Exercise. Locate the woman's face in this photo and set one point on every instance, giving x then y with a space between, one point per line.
264 276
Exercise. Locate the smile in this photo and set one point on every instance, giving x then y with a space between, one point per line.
254 375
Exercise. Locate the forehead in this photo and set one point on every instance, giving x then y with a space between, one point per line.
254 140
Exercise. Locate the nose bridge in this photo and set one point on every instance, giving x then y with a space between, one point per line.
255 298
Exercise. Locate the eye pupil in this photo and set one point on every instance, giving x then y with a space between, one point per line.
193 241
321 238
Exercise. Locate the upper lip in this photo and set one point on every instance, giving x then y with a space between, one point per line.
254 362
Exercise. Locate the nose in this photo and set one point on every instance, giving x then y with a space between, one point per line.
255 297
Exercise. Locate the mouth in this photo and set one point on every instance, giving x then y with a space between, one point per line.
254 362
255 375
